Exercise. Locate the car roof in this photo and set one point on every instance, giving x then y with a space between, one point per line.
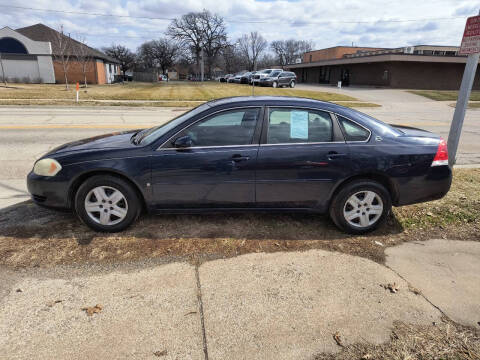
272 100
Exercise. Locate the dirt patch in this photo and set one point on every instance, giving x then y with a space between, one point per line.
34 236
445 340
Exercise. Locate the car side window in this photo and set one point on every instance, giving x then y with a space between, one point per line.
234 127
353 131
298 126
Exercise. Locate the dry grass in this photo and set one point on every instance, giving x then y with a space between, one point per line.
33 236
445 340
444 95
178 91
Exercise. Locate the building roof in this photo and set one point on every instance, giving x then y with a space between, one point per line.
41 32
382 58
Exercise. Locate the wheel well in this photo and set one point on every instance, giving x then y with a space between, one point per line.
382 179
81 179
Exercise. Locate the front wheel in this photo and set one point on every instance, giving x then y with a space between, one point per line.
360 206
107 203
292 84
274 84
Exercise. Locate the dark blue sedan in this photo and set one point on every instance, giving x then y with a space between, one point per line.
255 153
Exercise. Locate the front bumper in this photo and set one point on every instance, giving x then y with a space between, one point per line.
48 191
266 82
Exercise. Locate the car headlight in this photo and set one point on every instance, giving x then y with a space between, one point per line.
47 167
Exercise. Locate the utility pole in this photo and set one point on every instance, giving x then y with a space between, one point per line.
3 71
471 46
202 66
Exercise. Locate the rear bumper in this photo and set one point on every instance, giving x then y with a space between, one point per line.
432 186
48 191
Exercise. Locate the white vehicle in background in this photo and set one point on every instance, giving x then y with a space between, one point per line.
262 74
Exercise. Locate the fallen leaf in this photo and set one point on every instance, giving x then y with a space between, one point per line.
52 303
19 290
338 339
392 287
190 313
277 244
414 290
160 353
93 309
366 357
378 243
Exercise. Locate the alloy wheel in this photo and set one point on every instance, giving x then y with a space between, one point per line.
106 205
363 209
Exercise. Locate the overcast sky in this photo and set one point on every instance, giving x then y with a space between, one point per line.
326 23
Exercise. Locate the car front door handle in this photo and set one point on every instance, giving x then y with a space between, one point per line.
332 155
238 157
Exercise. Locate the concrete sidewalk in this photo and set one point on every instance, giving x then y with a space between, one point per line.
256 306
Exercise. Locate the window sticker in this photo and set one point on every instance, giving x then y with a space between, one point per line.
299 124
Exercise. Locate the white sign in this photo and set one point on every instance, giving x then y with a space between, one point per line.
471 37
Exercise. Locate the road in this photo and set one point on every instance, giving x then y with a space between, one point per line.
28 132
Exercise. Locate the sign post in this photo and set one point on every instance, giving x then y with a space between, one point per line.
471 46
78 88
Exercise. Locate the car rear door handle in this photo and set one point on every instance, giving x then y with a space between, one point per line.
238 157
332 155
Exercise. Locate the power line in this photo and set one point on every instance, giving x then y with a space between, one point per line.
250 21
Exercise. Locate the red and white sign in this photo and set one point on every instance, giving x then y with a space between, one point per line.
471 36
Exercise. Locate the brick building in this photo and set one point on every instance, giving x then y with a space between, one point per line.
414 67
101 69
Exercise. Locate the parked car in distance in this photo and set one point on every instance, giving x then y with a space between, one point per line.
247 77
162 78
238 78
247 153
224 78
261 74
279 78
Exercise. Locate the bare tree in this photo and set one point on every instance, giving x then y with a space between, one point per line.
122 54
287 51
84 56
188 30
251 46
214 36
200 30
160 53
63 46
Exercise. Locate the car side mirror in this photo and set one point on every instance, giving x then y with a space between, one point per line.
183 142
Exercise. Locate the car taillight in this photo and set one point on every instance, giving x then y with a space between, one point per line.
441 157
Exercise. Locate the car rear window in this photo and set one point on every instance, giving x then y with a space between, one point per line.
352 131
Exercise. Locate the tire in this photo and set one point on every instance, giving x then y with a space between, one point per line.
117 215
367 202
292 84
274 84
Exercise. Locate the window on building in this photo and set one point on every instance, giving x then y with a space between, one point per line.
310 57
12 46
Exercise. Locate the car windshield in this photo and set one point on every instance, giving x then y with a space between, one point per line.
150 135
275 73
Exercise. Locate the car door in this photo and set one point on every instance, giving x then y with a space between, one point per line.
217 170
283 79
301 157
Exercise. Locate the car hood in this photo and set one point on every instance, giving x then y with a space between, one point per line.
114 140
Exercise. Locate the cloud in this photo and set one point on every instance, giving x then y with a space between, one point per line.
326 23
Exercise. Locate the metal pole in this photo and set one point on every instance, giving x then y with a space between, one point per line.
461 107
3 71
202 66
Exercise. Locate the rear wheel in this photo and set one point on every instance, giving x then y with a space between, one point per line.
107 203
360 206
